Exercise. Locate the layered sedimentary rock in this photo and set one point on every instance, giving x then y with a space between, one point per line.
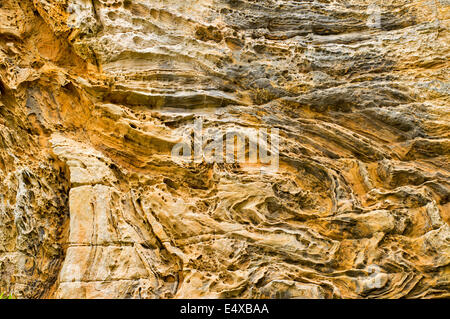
94 96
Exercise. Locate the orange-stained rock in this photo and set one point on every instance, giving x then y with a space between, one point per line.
95 95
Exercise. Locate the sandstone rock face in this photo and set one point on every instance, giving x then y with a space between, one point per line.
94 95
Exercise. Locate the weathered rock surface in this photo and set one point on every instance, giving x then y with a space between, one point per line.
95 94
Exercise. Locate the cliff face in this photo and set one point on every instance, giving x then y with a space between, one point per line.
95 94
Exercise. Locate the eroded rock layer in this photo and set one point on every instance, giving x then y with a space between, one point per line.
95 94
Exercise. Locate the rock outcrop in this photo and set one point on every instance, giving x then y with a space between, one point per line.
95 95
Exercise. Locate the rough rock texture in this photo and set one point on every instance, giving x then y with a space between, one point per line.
95 94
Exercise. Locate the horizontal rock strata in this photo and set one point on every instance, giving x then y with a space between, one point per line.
95 95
